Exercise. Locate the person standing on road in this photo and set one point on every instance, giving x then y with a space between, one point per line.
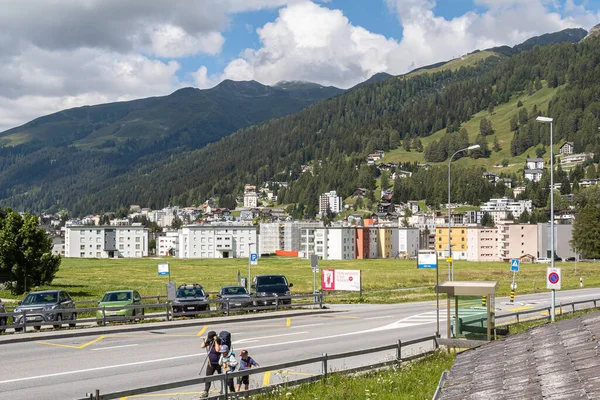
246 362
228 362
214 353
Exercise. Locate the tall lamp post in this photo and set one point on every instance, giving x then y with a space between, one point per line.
451 263
549 120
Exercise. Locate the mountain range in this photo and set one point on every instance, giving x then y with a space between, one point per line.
180 147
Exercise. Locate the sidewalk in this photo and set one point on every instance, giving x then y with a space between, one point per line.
125 328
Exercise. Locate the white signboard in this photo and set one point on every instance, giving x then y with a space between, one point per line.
163 269
341 279
427 259
553 278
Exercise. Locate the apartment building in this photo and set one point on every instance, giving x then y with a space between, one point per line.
482 243
407 243
366 242
384 242
500 209
563 233
168 244
332 243
330 201
283 235
517 240
106 241
458 241
250 199
217 241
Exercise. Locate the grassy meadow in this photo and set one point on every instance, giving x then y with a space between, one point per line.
384 280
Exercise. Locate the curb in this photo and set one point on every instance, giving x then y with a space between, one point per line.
31 337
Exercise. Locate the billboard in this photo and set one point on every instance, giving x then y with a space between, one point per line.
341 279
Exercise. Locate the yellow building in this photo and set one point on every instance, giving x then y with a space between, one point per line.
384 242
458 239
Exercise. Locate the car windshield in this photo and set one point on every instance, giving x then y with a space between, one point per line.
190 292
41 298
271 281
234 290
116 296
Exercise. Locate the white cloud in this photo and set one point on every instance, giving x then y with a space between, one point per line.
315 43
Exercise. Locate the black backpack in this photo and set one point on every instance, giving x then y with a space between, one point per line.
225 338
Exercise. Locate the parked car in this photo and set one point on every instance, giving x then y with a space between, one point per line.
3 320
190 298
120 298
543 261
271 286
569 259
45 301
236 296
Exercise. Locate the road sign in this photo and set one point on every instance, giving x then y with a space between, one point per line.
449 259
427 259
163 269
553 278
253 259
314 261
514 265
341 279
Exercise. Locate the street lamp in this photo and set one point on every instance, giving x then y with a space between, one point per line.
450 263
549 120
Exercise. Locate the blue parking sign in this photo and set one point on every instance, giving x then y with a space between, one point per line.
253 258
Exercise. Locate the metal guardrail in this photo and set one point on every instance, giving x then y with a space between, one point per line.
37 318
323 359
517 315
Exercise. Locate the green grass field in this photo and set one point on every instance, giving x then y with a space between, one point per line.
383 279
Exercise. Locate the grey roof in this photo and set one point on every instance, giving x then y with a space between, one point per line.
534 159
554 361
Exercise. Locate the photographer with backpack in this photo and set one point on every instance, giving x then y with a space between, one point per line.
213 343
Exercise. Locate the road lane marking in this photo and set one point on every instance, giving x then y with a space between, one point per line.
339 316
114 347
267 378
266 337
385 316
81 346
304 326
288 322
202 331
520 308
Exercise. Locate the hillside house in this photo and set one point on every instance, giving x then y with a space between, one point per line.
534 163
575 159
491 177
533 174
567 148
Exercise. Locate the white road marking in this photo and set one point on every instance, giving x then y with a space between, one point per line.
304 326
114 347
384 316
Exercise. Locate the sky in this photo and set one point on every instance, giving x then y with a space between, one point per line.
59 54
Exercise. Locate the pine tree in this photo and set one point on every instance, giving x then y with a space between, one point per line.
496 146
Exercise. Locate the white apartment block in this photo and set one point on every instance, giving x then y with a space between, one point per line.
533 174
164 217
106 241
534 163
217 241
482 244
250 199
167 244
421 221
499 209
337 243
408 242
575 159
283 235
330 201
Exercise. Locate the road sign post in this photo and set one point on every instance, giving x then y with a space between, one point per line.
252 260
553 282
163 269
314 263
428 259
514 267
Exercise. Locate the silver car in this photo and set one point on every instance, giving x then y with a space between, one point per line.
46 300
237 297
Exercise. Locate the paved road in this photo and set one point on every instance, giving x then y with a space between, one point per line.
68 368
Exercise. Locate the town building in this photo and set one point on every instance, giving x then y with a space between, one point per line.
330 201
408 243
217 241
384 242
500 209
250 199
366 242
516 240
458 241
332 243
283 235
534 163
572 160
563 233
533 174
482 243
567 148
106 241
168 244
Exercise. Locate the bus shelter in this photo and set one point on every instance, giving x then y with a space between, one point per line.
474 305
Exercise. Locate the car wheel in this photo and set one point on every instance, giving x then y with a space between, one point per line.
58 319
2 324
73 324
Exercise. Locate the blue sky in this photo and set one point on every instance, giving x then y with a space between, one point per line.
125 51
